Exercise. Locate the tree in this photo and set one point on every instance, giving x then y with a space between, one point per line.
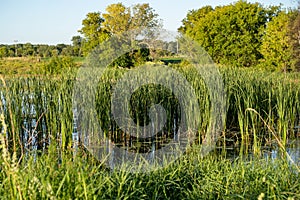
277 48
11 52
68 50
144 16
44 51
60 47
294 34
77 44
19 51
28 49
231 34
58 65
93 31
172 47
117 20
3 52
192 19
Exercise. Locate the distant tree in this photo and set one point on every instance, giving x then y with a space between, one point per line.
54 52
19 51
60 47
67 51
44 51
171 47
11 52
28 49
3 52
77 45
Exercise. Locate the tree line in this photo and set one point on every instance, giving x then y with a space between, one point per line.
241 34
42 50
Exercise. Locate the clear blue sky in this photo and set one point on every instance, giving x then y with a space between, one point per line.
56 21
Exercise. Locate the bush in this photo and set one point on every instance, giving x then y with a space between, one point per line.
57 65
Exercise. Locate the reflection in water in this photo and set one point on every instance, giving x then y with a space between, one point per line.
293 150
31 142
269 154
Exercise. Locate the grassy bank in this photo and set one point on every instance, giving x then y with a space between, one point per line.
30 66
191 177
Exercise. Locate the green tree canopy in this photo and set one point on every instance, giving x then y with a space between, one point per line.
93 31
231 34
277 46
192 19
294 35
115 21
3 51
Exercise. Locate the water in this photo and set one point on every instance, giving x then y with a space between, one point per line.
31 143
291 153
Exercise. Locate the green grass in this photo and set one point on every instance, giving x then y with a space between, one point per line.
20 66
190 177
171 60
30 66
54 172
274 96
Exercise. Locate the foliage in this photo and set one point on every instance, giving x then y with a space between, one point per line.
192 18
276 47
21 66
131 59
58 65
38 120
40 50
92 31
231 34
3 51
294 35
79 176
274 96
77 44
117 20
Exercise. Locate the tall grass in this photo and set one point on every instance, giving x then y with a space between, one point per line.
36 116
273 95
190 177
38 110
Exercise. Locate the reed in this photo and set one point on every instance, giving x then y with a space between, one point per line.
38 110
37 148
191 177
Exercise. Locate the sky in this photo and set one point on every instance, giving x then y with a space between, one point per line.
57 21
